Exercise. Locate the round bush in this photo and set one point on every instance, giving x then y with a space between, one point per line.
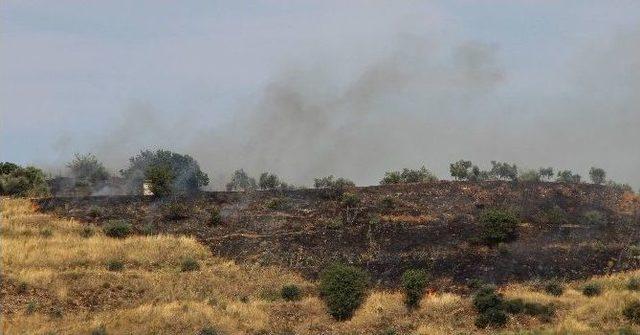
633 284
492 317
414 283
554 289
214 217
592 290
117 228
498 226
631 312
513 306
343 289
486 298
189 264
290 292
115 265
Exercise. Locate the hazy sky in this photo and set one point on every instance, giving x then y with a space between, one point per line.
309 88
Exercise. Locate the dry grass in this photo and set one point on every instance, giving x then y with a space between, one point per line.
56 280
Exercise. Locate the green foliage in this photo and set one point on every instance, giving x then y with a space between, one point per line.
634 284
530 176
408 176
486 298
594 218
160 179
514 306
101 330
555 215
543 312
240 181
504 171
268 181
189 264
546 173
215 218
498 226
567 176
350 200
554 288
460 169
176 210
117 228
46 232
24 182
95 212
343 289
592 290
31 307
495 318
387 203
414 283
290 292
87 170
620 187
185 172
597 175
333 183
631 312
115 265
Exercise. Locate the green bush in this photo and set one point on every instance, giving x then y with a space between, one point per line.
176 211
87 231
634 284
544 312
25 182
215 218
189 264
592 290
597 175
486 298
498 226
513 306
290 292
414 283
423 175
554 288
343 288
556 216
115 265
495 318
240 181
387 203
95 212
350 200
631 312
117 228
594 218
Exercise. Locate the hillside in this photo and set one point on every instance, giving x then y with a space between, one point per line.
57 280
567 231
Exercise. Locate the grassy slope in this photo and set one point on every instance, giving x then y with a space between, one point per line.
56 280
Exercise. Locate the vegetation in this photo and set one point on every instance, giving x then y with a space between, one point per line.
414 283
189 264
408 176
240 181
167 172
498 226
269 181
343 289
597 175
87 171
117 228
631 312
591 290
567 176
176 210
490 308
554 288
215 218
290 292
504 171
25 182
349 200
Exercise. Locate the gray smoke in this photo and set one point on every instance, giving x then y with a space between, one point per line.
423 102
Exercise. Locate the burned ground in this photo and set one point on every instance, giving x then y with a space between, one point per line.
396 227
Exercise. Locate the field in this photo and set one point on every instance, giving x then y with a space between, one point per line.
56 280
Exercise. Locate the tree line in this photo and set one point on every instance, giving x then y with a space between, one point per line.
168 173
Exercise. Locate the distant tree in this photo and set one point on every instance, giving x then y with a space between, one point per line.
619 186
504 171
332 182
240 181
597 175
185 172
408 176
160 180
460 169
478 175
268 181
530 175
87 170
546 173
18 181
567 176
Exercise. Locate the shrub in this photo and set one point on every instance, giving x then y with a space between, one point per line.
631 312
240 181
460 169
189 264
597 175
22 287
592 290
634 284
513 306
350 200
530 176
277 204
290 293
31 307
546 173
556 215
99 331
343 288
594 218
160 179
268 181
46 232
486 298
25 182
554 289
176 211
544 312
117 228
503 170
423 175
215 218
387 203
335 186
209 331
87 231
95 212
115 265
567 176
498 226
87 170
493 317
414 283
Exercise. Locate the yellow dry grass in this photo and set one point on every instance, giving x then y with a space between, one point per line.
56 281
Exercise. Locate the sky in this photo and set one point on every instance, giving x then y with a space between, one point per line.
312 88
